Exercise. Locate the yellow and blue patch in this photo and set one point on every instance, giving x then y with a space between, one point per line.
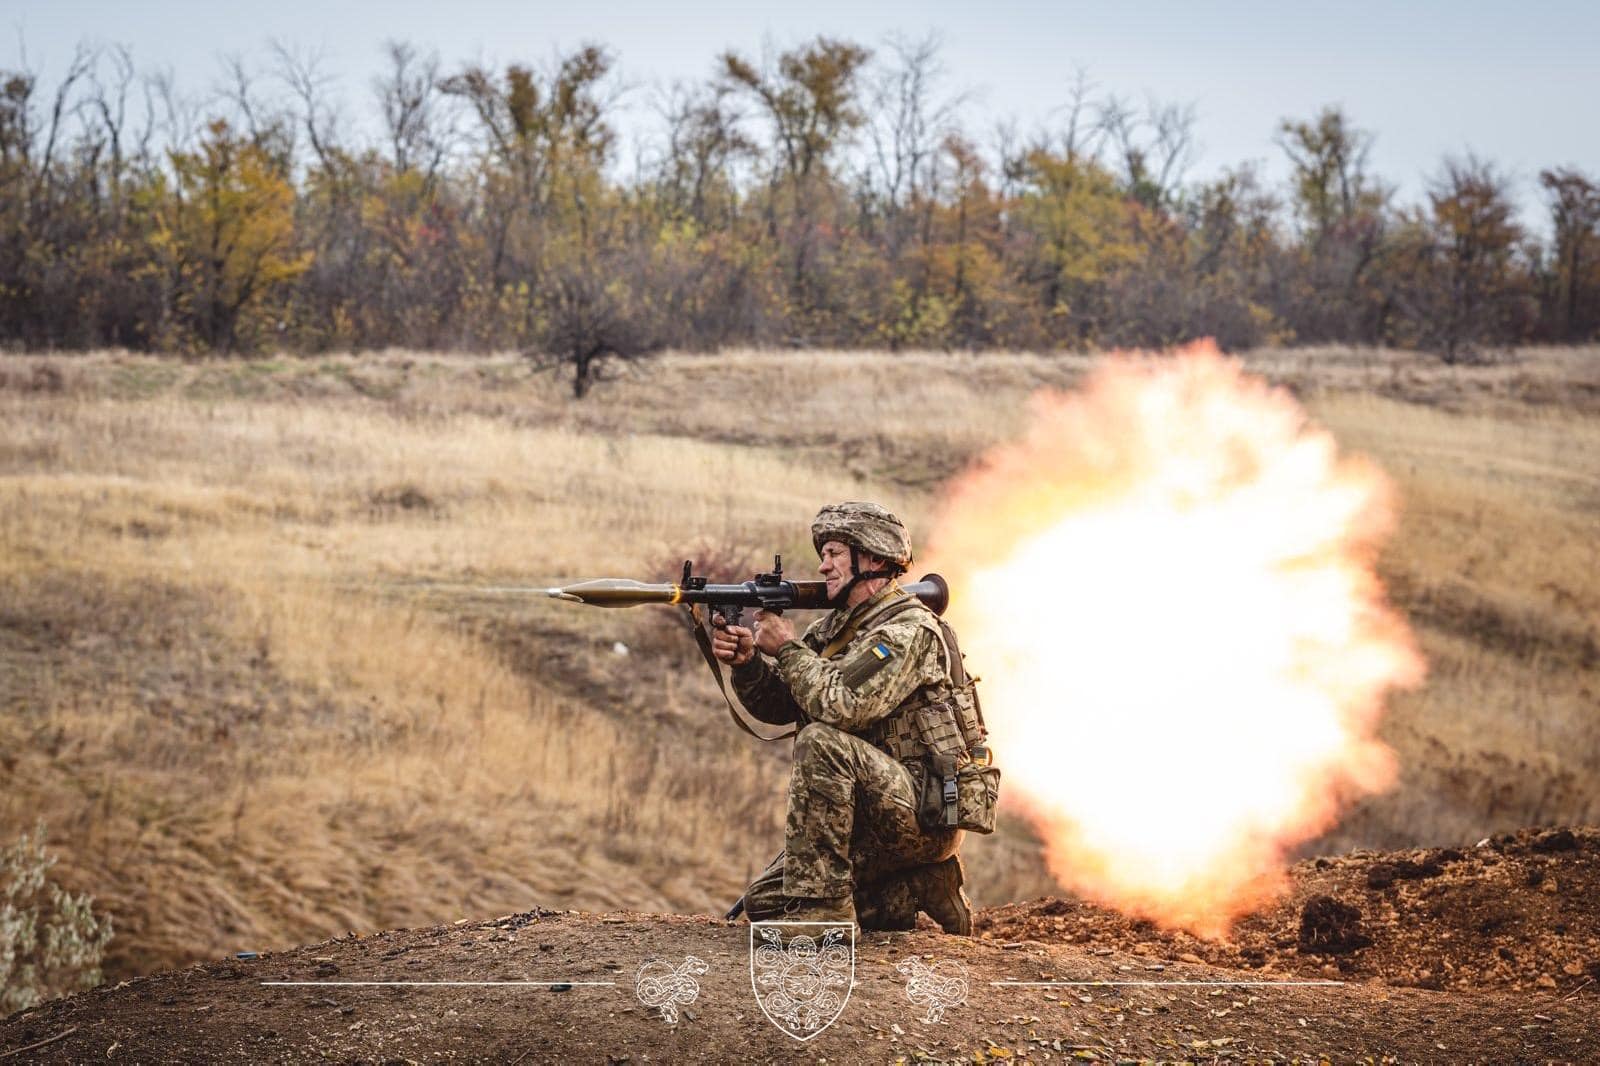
863 665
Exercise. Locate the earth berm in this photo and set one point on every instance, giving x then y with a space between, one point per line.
1488 953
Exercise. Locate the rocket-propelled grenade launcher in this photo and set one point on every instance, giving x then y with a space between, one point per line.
767 592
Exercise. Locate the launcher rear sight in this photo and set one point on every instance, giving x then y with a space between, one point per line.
768 589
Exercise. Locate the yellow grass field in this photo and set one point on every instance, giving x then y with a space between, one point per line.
251 683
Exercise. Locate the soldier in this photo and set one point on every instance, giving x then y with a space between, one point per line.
869 689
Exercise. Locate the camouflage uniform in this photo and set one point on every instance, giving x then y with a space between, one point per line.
852 820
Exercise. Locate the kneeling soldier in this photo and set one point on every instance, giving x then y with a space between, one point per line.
889 757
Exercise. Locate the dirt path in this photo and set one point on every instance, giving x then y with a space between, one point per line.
223 1012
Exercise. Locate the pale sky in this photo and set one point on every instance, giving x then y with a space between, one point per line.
1518 83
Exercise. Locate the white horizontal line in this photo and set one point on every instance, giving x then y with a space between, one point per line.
1165 984
436 984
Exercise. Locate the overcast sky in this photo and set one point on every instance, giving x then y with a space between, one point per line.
1518 83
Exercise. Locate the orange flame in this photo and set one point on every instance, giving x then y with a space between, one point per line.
1168 588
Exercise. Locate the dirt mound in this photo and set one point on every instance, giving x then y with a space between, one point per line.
1517 912
1052 980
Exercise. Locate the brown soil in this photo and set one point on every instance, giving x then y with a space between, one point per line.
1485 954
1519 912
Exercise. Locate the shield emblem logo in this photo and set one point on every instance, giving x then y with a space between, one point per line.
802 973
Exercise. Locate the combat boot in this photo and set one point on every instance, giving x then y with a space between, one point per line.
937 888
887 906
827 909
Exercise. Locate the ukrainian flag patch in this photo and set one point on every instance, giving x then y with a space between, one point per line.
863 664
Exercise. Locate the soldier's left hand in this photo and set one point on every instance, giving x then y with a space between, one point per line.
773 631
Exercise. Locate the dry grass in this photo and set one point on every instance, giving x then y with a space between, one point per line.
249 726
1497 562
233 686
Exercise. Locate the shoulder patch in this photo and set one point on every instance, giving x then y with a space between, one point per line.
867 660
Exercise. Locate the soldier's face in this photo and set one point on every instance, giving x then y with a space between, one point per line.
835 566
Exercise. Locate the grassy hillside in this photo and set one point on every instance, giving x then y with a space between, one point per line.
246 681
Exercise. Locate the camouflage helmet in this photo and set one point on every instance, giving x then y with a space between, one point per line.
867 526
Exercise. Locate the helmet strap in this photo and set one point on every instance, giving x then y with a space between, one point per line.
857 575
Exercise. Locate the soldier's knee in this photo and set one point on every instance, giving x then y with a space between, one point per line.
816 737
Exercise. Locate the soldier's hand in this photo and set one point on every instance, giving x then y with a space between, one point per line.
734 644
773 631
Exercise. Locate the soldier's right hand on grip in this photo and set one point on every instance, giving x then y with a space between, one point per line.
734 645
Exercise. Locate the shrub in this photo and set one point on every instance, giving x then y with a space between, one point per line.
51 943
719 562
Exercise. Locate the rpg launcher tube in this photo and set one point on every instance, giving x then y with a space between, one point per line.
782 596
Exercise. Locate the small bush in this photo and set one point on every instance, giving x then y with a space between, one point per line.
719 562
51 943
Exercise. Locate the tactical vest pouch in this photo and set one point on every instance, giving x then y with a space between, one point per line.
964 798
977 795
964 702
956 792
939 729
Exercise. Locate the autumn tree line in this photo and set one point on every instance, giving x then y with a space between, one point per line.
827 195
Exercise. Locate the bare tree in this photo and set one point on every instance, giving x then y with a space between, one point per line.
703 145
304 72
1084 130
597 312
1155 147
909 120
417 124
180 113
109 101
269 127
1010 157
1172 146
82 62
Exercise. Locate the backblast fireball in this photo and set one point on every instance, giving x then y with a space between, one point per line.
1201 691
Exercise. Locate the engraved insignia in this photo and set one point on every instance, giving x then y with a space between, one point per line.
802 973
937 987
666 987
